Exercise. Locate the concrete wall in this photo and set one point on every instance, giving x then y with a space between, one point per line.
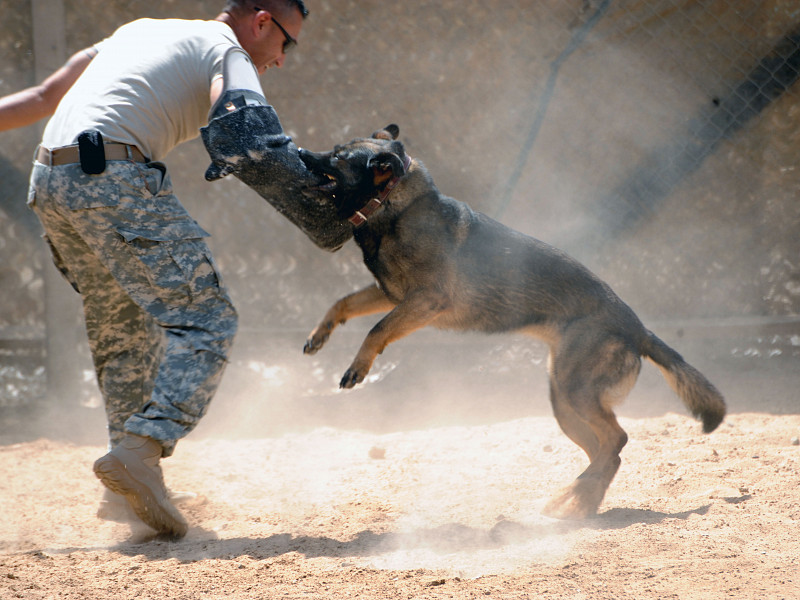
466 81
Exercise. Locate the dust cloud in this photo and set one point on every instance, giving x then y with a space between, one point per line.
464 86
613 108
621 102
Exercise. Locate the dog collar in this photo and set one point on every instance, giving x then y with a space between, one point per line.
359 217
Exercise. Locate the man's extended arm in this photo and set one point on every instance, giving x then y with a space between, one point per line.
31 104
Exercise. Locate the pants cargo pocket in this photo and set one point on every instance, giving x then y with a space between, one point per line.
175 261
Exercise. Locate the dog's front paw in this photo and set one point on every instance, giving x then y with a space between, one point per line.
357 371
317 340
351 378
311 347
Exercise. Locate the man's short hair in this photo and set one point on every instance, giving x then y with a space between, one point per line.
233 6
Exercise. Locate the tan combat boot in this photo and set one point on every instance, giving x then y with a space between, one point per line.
114 507
131 470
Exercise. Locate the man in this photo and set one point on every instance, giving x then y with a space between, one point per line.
159 322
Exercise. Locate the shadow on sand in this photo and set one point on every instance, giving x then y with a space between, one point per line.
202 544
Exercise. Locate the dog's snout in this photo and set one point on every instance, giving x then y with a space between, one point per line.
306 157
315 161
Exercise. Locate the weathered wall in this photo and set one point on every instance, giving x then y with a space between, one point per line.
20 253
464 80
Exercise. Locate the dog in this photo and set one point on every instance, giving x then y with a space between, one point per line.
437 262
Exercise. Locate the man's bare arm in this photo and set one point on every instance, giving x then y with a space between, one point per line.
36 102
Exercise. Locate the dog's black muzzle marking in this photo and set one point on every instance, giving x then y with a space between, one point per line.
314 163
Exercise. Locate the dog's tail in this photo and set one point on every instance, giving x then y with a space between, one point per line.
698 394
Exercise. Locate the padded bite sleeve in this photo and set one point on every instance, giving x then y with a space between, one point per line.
244 137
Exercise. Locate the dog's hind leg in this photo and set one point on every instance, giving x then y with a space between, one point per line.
587 377
367 301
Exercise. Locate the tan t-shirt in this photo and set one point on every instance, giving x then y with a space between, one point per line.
148 85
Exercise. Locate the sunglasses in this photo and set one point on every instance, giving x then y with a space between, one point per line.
289 42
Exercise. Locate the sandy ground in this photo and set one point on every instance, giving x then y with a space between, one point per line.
439 511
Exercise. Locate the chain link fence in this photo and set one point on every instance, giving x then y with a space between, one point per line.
655 140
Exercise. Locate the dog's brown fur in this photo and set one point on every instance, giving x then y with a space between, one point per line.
437 262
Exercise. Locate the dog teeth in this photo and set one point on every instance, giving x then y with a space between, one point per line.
331 177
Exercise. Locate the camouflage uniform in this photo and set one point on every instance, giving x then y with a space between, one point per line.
159 321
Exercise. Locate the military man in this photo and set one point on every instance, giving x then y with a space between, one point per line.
160 323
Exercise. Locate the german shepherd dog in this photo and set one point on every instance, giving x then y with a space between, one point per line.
437 262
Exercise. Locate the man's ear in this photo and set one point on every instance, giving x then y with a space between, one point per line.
260 21
390 132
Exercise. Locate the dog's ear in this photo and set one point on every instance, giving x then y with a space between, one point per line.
385 165
390 132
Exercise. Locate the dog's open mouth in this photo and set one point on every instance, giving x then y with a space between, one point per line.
327 184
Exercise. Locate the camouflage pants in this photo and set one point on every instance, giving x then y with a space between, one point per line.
159 321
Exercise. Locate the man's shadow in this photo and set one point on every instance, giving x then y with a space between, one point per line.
451 538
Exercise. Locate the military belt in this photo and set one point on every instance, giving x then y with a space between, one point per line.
67 155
